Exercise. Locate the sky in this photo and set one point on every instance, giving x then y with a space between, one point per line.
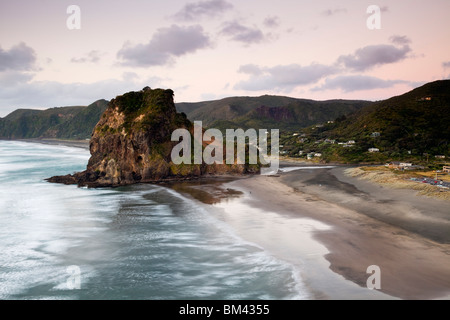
60 53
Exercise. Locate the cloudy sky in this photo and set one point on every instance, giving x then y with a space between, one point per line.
210 49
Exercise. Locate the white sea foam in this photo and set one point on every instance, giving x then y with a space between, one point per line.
126 241
262 259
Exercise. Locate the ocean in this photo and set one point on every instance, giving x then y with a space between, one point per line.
136 242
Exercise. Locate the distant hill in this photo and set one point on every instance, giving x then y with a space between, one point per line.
229 109
269 112
60 123
401 127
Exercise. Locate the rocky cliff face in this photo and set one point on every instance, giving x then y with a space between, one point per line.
277 113
132 143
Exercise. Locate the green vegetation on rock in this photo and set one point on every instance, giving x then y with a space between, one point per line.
132 144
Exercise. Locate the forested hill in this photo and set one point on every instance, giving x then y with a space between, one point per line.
58 123
267 112
402 127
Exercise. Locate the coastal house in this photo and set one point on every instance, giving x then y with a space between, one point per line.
373 150
310 155
446 169
351 142
330 141
440 157
375 134
318 155
300 153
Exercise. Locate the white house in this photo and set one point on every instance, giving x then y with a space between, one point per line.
317 155
375 134
372 150
351 142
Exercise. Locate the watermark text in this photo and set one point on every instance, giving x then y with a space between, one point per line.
235 140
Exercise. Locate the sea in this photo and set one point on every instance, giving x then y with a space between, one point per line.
140 242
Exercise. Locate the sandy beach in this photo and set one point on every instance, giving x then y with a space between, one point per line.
334 227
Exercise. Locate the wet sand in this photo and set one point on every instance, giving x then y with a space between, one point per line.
334 227
406 235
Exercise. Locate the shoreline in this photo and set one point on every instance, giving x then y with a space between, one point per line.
83 144
286 237
291 237
411 248
335 226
